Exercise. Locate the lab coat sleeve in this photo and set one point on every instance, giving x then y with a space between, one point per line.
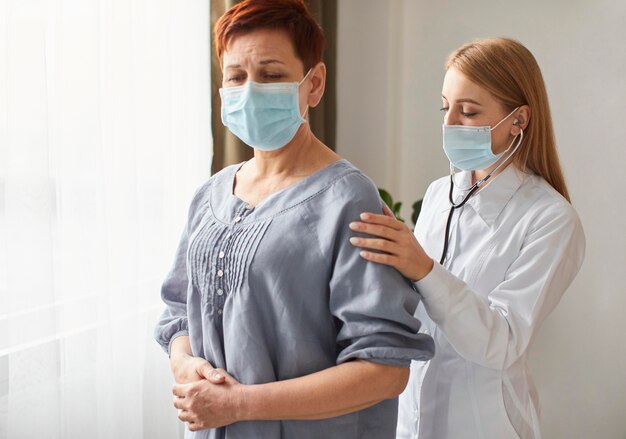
494 332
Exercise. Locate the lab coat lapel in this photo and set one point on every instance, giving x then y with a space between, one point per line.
491 200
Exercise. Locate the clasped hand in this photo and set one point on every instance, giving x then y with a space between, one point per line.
205 397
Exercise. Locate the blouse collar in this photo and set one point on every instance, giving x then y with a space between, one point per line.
226 206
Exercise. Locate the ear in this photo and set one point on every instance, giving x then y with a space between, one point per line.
520 119
318 83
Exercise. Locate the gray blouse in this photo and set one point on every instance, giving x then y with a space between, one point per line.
277 291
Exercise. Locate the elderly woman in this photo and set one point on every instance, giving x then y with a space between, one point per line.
308 339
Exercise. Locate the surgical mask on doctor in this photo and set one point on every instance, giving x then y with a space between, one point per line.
264 116
469 147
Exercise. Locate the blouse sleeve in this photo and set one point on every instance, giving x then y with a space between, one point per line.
372 303
173 322
503 325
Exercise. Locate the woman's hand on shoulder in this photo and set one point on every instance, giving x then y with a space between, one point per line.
400 249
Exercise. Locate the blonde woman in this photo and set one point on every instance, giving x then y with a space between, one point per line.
496 245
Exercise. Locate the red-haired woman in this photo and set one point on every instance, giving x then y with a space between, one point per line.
506 244
308 339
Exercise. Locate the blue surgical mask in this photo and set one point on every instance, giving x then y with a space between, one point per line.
263 116
469 147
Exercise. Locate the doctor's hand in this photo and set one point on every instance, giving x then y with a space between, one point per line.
400 248
203 404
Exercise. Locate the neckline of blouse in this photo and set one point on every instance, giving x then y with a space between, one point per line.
226 206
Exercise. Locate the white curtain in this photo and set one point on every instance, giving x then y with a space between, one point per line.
104 135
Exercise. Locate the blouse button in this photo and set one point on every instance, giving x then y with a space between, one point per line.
237 219
221 255
220 273
249 206
220 292
219 311
228 235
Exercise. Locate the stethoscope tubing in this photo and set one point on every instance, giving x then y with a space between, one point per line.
454 206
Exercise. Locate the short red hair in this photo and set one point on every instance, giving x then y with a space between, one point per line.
291 16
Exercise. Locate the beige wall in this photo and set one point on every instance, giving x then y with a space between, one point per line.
390 71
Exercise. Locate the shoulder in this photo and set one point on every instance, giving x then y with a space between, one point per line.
550 223
345 194
548 211
436 193
544 200
201 197
221 180
352 188
441 185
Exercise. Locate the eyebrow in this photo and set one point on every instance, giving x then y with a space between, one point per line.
263 62
270 61
465 100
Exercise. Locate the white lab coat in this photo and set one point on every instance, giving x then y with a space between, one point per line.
514 249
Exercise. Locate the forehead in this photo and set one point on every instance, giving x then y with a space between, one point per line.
260 44
458 86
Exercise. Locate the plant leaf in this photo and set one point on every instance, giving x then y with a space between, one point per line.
417 208
386 196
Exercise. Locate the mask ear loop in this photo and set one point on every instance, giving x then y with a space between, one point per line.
306 110
304 115
505 118
307 74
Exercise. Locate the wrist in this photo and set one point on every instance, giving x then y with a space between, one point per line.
180 344
179 354
177 359
245 403
424 268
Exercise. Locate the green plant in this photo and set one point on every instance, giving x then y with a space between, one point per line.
394 207
417 208
397 205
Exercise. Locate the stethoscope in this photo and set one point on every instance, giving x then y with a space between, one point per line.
471 191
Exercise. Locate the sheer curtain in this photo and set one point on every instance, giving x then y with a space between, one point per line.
104 135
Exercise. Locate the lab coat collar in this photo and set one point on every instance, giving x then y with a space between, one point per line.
491 199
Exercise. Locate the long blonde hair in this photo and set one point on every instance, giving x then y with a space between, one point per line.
510 72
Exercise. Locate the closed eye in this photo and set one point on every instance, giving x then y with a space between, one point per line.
236 78
273 76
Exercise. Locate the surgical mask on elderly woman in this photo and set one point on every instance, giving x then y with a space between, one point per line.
264 116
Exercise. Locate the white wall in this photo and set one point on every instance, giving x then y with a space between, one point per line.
390 70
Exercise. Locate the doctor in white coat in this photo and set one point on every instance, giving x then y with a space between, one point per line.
495 247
